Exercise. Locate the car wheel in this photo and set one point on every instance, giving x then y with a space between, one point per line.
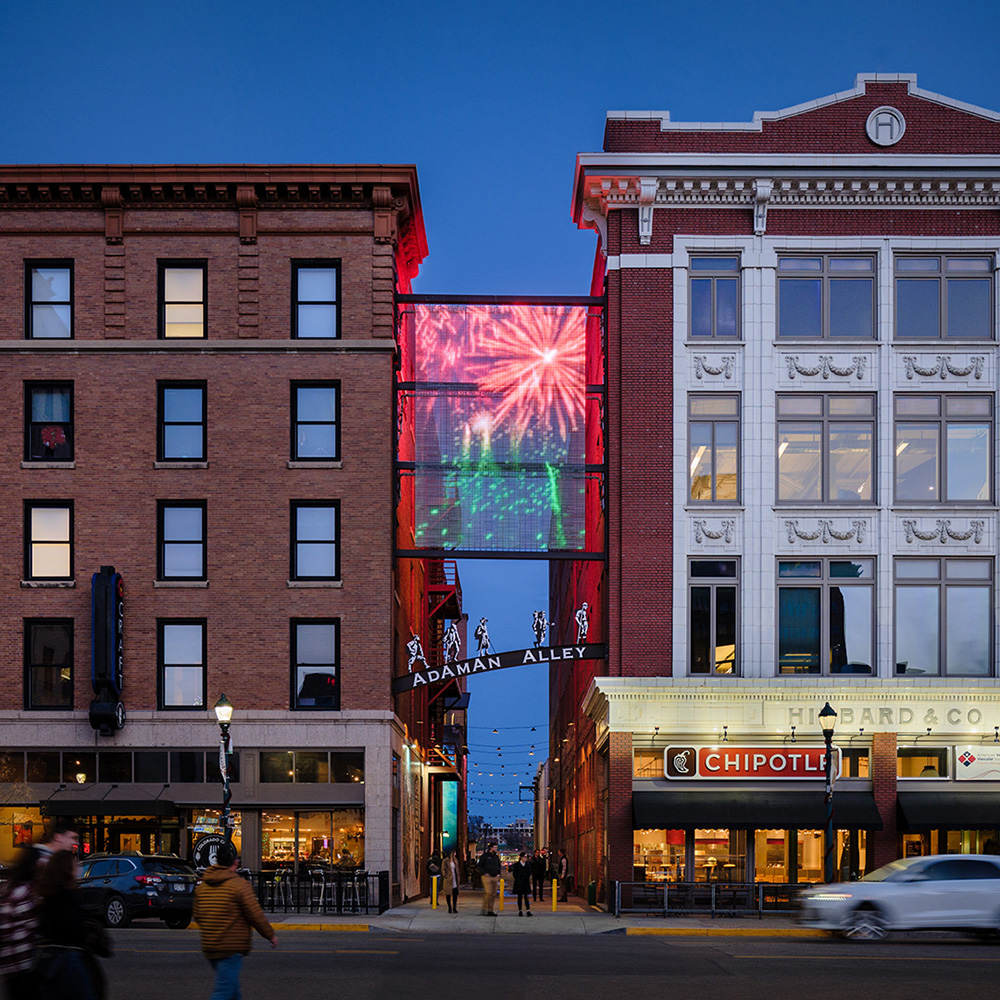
116 912
177 921
866 924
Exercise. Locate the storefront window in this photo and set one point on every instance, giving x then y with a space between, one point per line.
922 762
771 854
648 764
720 855
810 855
658 855
300 840
203 822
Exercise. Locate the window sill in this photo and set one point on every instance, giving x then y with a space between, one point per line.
307 584
316 465
49 584
48 465
180 584
180 465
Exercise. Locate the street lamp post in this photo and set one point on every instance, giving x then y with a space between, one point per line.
828 719
224 713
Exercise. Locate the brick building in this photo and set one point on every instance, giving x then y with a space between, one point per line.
198 368
802 491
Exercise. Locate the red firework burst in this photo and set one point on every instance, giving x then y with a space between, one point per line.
533 358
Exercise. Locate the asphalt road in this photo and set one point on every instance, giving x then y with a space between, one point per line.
157 964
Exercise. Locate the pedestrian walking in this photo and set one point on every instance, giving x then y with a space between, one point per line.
562 873
521 870
452 879
434 870
489 871
20 915
226 910
539 868
69 944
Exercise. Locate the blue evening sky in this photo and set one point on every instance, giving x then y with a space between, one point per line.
490 101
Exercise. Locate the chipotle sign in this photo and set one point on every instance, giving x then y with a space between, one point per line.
743 762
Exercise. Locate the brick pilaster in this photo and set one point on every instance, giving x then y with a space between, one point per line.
620 807
248 323
883 844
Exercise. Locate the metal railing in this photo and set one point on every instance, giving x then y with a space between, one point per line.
715 899
284 891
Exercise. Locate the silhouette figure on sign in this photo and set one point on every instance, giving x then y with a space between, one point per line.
539 625
452 643
482 636
416 650
582 623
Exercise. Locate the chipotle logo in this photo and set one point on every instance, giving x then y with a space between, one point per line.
727 761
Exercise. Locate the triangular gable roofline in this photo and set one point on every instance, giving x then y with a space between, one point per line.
910 79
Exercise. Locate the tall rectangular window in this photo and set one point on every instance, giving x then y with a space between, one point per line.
315 549
48 540
48 294
715 296
48 408
316 298
713 450
183 298
944 448
183 426
182 656
48 663
182 540
942 296
826 616
316 663
315 421
826 448
714 616
826 296
944 617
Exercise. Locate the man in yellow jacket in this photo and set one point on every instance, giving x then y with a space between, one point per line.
225 910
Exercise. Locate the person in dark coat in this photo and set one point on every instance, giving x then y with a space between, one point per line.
67 968
521 871
539 869
489 872
562 871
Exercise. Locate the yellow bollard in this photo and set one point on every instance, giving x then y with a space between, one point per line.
555 885
501 895
434 892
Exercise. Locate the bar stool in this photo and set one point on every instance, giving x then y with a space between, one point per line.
317 890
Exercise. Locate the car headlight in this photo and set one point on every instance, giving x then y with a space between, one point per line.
829 896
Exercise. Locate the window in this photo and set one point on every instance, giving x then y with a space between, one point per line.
183 432
826 296
315 298
187 766
48 664
347 766
713 451
183 297
48 407
314 540
49 539
150 766
826 618
315 664
715 297
315 421
940 296
944 448
48 287
922 762
714 616
647 764
826 448
944 615
182 655
182 540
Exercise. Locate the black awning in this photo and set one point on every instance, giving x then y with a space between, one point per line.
744 810
949 810
108 807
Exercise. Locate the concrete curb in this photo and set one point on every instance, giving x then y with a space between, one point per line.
758 932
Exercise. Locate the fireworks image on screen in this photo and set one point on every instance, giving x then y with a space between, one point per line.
499 426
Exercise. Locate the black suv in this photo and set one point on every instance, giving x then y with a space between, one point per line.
128 886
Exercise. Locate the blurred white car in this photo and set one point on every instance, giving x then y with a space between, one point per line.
940 892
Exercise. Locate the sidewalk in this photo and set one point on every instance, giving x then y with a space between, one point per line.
575 917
